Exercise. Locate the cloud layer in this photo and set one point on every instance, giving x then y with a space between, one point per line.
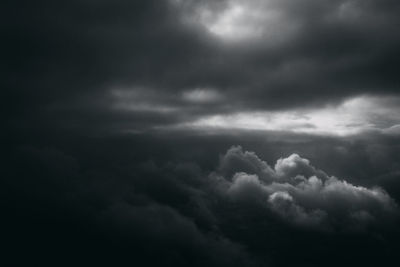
179 61
118 200
360 115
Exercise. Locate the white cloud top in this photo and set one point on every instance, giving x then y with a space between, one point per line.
299 193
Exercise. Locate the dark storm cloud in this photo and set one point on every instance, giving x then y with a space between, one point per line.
67 58
87 181
117 200
121 216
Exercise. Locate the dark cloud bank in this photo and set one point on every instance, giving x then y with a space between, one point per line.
118 201
95 171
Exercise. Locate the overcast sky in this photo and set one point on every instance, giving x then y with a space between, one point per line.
204 133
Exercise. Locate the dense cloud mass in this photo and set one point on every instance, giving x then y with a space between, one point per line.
105 217
129 129
301 194
137 198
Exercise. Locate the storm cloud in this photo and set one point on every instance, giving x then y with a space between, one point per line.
235 213
71 59
200 133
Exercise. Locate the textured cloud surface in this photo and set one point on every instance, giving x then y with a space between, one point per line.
117 202
116 112
300 193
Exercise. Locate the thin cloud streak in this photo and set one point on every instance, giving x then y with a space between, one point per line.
353 116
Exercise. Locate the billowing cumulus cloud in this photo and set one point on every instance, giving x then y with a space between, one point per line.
236 160
300 193
118 199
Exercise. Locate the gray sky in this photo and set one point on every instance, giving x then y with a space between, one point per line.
201 133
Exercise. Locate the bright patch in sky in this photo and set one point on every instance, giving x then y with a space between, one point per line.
236 22
353 116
